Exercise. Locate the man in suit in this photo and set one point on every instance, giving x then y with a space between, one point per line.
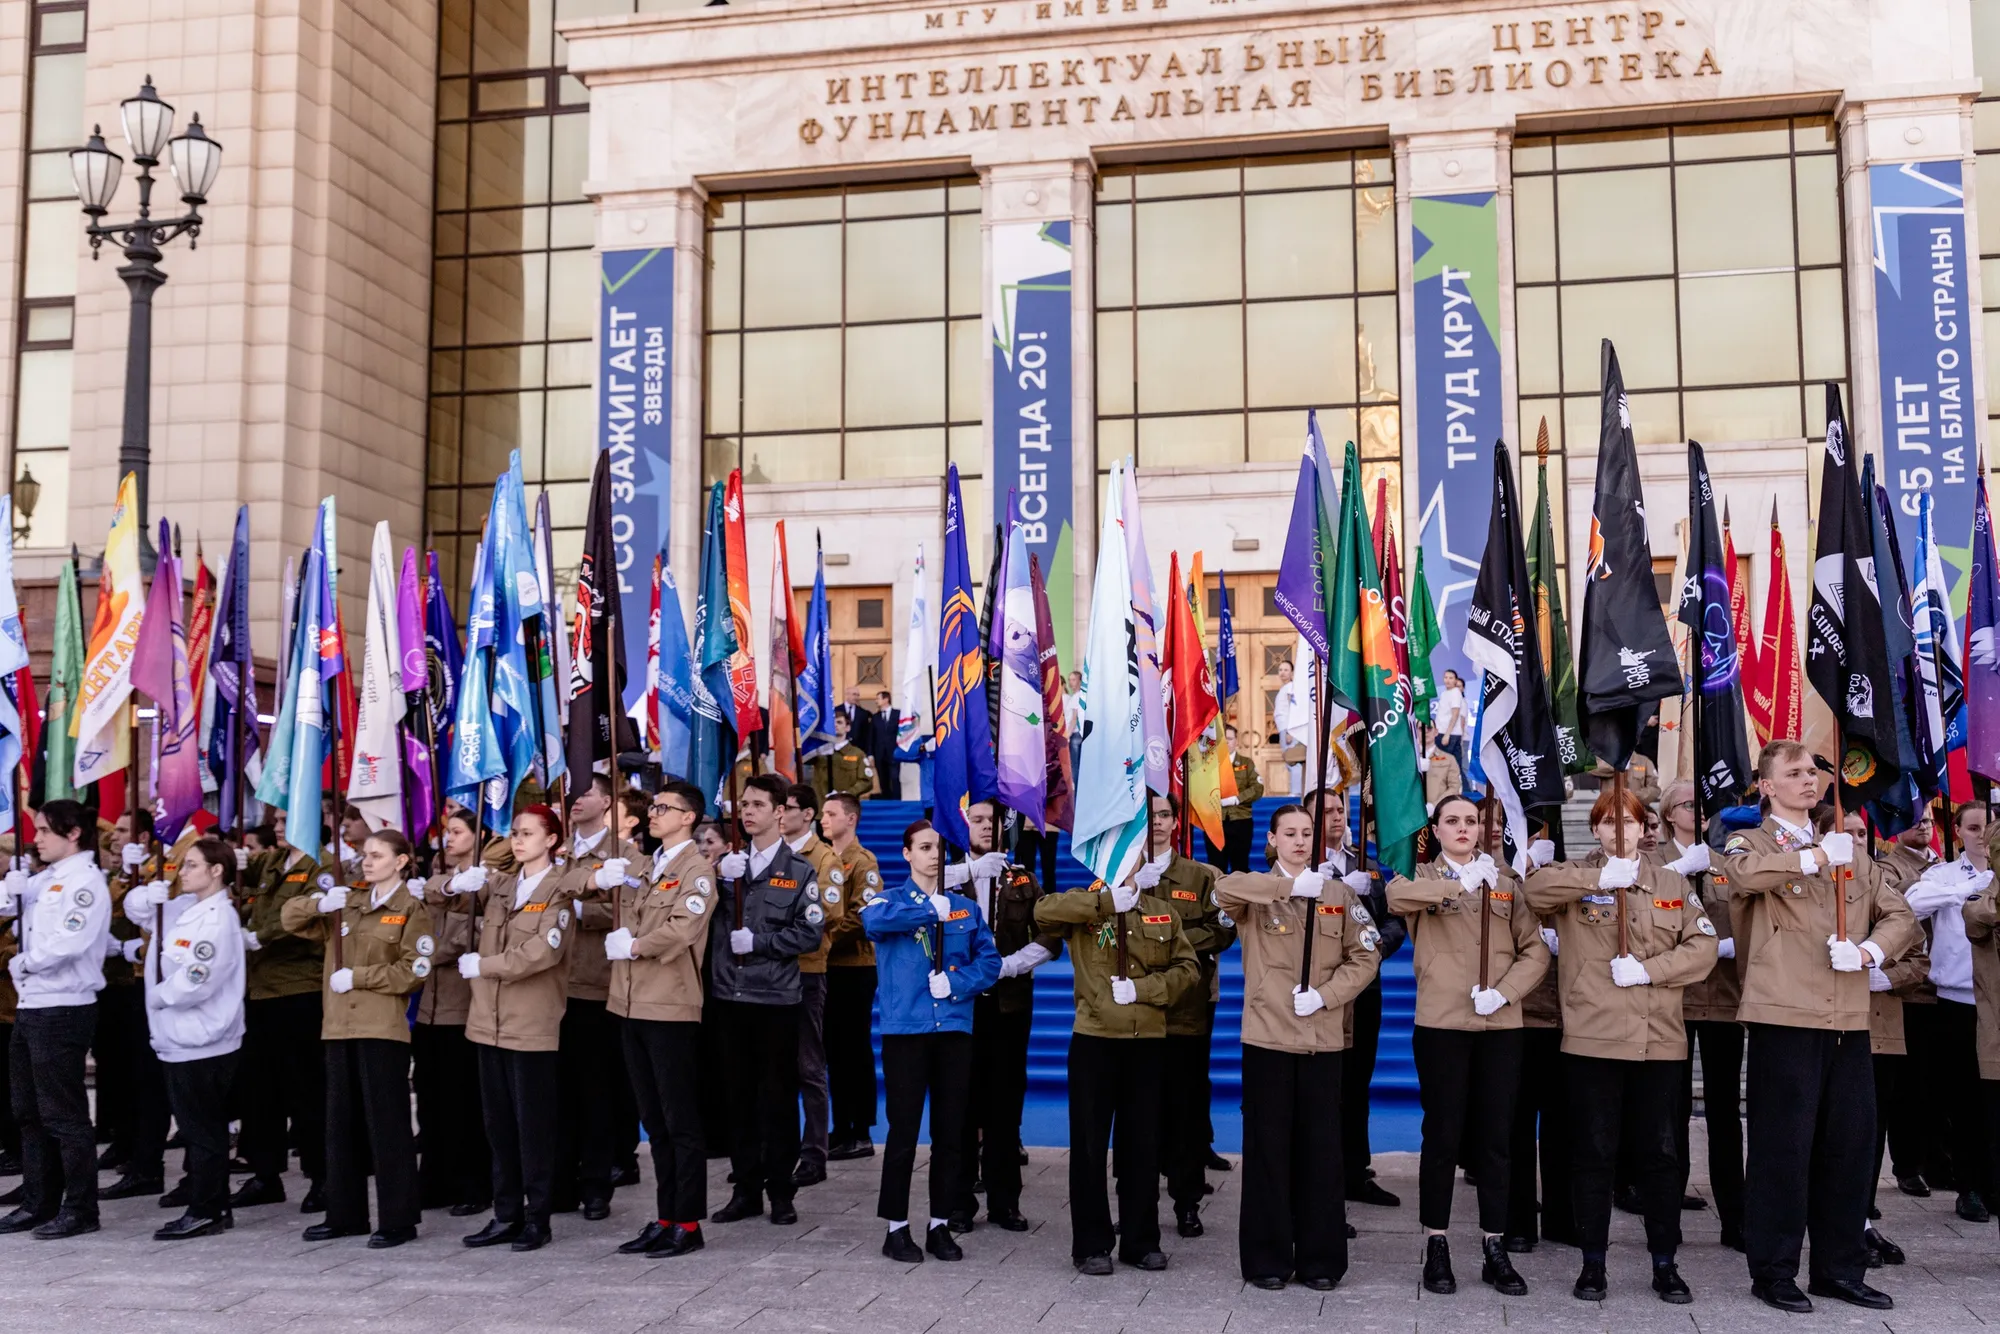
881 748
860 722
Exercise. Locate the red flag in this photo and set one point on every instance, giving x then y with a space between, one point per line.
201 625
1748 650
787 653
1392 593
736 565
1192 684
1776 688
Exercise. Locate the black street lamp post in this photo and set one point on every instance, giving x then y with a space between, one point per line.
194 159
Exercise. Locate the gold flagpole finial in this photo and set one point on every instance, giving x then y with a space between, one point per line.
1542 444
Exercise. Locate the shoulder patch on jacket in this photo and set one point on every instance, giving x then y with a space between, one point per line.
1330 910
1736 843
1669 905
395 919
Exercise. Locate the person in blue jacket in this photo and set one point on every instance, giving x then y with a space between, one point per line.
933 954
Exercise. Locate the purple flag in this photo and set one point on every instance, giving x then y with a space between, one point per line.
420 792
160 671
1982 647
1309 547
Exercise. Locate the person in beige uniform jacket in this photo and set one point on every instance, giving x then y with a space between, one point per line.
1468 1035
456 1172
656 990
1623 1034
1294 1216
1811 1091
386 947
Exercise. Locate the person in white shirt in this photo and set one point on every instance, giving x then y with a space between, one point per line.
194 978
1449 716
1292 722
65 920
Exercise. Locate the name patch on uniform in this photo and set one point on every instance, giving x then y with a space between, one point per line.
1668 905
395 919
1503 896
534 907
1161 920
1186 896
964 913
298 879
1329 910
778 883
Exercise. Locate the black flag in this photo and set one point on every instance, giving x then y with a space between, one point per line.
1846 660
1721 750
1514 751
598 643
1627 664
1896 808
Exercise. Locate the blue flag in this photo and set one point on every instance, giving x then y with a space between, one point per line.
292 777
517 601
1982 645
1305 572
815 686
964 737
676 678
712 746
475 749
1226 643
444 657
234 676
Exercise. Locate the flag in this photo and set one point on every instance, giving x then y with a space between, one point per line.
1191 687
555 641
1391 565
1939 664
1844 649
1896 808
1739 604
676 679
1225 650
647 710
1513 750
444 662
294 767
413 679
1147 611
1722 766
815 685
100 726
232 679
597 646
1215 740
787 652
1775 687
742 666
160 672
475 749
14 706
1109 835
1058 781
964 768
1424 636
712 747
375 785
1305 572
1552 626
520 718
996 578
57 767
1021 756
200 634
913 715
341 706
1982 646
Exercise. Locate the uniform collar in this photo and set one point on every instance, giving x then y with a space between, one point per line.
665 856
71 865
583 845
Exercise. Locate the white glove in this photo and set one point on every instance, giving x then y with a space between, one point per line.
415 884
956 874
468 966
342 980
941 906
1838 847
1010 965
1477 873
17 968
1627 971
144 898
618 945
1307 885
130 950
735 865
741 941
1229 801
242 859
1358 881
1618 873
1692 862
1552 940
1123 991
610 875
1725 948
1148 876
1487 1001
940 986
334 900
1976 886
114 948
1123 897
17 884
1541 852
1845 955
468 881
132 856
1307 1001
250 941
988 865
1877 979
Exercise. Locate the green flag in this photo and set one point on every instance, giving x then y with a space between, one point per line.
65 680
1552 630
1423 635
1353 547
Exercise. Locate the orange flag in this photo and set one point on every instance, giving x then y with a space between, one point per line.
1775 693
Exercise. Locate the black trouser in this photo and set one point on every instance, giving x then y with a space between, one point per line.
917 1066
198 1091
10 1130
139 1086
519 1097
1185 1096
1357 1072
283 1079
992 1133
663 1059
1454 1065
451 1130
1989 1094
713 1084
1721 1043
850 1056
1918 1145
368 1119
1952 1095
45 1082
813 1095
624 1104
1629 1104
1114 1083
761 1043
1050 846
1541 1129
1891 1087
1812 1133
1236 839
587 1136
1294 1217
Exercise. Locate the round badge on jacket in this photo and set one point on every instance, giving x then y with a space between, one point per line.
696 904
426 946
204 950
85 897
554 938
326 880
421 969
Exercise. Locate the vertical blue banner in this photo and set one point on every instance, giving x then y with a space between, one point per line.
1923 341
635 351
1455 260
1029 314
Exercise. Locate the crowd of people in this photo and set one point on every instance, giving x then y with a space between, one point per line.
485 1025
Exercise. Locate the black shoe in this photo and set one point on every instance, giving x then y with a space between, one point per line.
1009 1220
596 1211
188 1225
1269 1283
1518 1244
1691 1202
1437 1267
469 1208
1850 1290
1152 1262
238 1167
495 1233
899 1246
961 1221
808 1174
14 1196
1498 1270
1022 1153
65 1224
941 1243
10 1164
1189 1222
1878 1245
1874 1213
782 1212
1322 1284
741 1205
859 1148
390 1237
256 1191
654 1233
1971 1208
111 1159
1627 1199
180 1197
1914 1184
129 1187
1351 1232
1217 1163
1673 1289
533 1237
1367 1192
1590 1284
1732 1238
328 1232
21 1220
682 1239
1097 1266
627 1175
1783 1294
315 1200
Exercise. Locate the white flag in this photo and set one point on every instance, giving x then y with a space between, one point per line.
914 711
101 725
375 786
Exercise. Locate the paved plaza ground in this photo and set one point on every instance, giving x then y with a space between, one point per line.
827 1273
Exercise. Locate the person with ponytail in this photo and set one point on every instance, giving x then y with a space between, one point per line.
456 1173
